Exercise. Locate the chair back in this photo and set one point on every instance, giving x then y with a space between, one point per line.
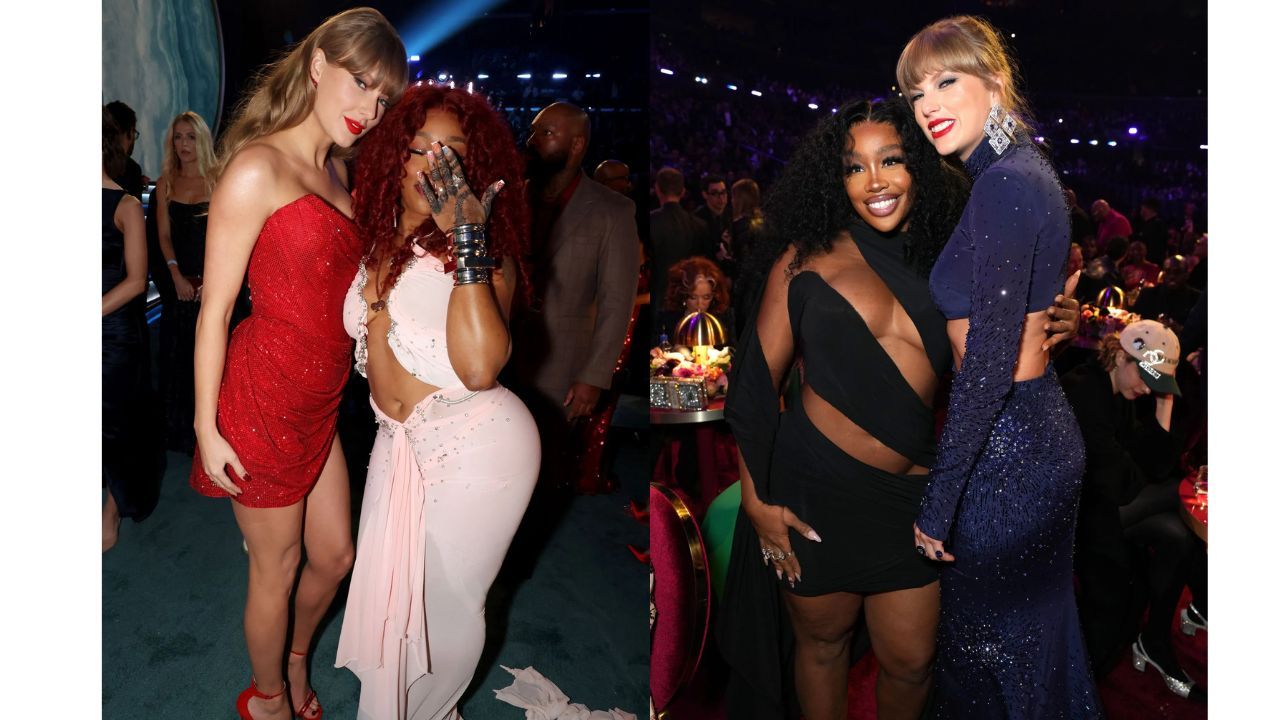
681 594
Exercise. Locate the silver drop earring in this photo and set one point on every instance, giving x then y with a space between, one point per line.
999 131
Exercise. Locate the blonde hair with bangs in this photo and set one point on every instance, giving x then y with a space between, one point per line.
205 157
968 45
359 41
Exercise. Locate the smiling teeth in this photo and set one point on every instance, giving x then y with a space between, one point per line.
882 204
943 125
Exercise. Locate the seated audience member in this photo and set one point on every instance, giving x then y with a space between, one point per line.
1110 223
1173 298
1129 528
1075 259
694 284
1135 269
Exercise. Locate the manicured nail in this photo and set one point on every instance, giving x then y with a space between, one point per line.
779 573
937 554
920 549
813 536
502 184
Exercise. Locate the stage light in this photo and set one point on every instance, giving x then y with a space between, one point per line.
442 76
1013 35
833 110
1111 143
757 93
1059 121
665 71
1133 131
414 58
1075 141
1093 142
1204 147
732 87
1039 138
595 75
437 22
558 76
525 76
482 76
471 87
813 106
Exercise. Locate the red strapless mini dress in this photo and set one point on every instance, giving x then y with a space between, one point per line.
288 362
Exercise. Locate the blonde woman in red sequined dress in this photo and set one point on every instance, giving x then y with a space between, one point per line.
267 402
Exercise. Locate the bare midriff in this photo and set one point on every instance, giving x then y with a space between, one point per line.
394 390
847 272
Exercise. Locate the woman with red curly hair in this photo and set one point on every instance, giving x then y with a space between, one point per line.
456 456
694 284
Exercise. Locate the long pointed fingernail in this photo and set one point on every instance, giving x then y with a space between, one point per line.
501 184
813 536
779 573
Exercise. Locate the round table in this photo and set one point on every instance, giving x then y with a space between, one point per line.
663 416
703 437
1194 508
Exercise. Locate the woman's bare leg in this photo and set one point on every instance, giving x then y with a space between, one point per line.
903 625
823 627
327 537
274 537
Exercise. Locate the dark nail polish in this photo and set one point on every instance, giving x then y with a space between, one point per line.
937 554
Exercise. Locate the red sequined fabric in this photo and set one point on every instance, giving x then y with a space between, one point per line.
288 362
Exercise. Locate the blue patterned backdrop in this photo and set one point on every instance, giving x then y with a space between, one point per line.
161 57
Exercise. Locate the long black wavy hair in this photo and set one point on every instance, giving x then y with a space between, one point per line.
808 206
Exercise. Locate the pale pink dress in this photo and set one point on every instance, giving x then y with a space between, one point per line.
445 492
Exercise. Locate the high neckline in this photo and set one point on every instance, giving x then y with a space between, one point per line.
982 157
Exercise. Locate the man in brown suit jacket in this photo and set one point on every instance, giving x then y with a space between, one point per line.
585 269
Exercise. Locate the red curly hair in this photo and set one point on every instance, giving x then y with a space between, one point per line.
684 275
491 155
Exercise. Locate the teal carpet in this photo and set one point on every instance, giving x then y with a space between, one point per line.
173 590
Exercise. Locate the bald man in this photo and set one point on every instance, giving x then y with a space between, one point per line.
615 175
1110 223
585 270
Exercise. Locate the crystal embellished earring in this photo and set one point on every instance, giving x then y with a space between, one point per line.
999 131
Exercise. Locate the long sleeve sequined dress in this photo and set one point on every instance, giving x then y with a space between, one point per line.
1004 491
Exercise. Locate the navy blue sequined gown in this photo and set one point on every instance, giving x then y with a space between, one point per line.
1005 488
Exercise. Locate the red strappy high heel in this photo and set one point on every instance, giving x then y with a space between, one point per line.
311 697
242 702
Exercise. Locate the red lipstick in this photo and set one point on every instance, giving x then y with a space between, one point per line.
949 122
355 127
